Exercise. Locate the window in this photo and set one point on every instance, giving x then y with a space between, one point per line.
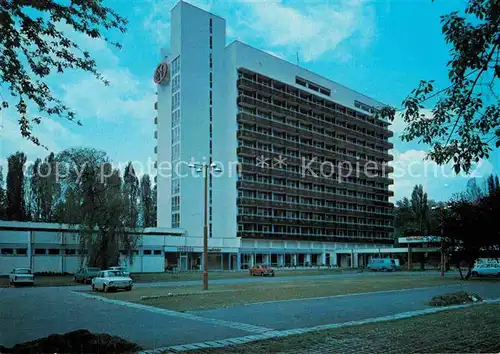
312 86
6 251
157 252
54 251
147 252
176 81
176 65
176 117
39 250
176 133
69 252
22 251
176 100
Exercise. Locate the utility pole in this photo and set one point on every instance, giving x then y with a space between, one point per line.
442 240
205 169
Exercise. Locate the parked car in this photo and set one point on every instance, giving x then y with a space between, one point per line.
85 275
120 269
107 280
21 276
383 264
486 269
262 270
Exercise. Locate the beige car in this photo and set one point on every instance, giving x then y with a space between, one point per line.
21 276
110 280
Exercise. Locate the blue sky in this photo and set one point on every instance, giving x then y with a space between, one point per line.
381 48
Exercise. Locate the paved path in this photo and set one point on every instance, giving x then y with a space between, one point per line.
30 313
281 315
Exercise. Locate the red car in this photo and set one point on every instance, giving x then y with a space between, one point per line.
262 270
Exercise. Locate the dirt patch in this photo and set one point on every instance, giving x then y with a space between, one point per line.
80 341
458 298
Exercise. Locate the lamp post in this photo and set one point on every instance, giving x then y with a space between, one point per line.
205 168
441 217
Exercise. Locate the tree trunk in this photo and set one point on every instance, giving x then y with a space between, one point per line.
460 270
469 270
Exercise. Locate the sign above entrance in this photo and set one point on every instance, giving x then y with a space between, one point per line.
419 239
185 249
214 250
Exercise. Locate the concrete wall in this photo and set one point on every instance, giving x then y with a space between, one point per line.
16 249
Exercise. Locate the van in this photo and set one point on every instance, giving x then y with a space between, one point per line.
383 264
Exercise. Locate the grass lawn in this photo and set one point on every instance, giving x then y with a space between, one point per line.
469 330
213 275
225 295
61 280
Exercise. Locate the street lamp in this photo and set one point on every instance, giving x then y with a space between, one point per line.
205 168
441 217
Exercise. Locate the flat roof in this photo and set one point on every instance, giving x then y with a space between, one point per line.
45 226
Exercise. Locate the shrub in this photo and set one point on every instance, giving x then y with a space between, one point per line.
458 298
80 341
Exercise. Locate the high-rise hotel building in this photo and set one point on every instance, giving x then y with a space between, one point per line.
304 160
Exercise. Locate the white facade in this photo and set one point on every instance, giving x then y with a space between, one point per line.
208 130
45 247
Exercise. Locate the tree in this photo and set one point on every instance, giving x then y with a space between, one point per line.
33 45
147 206
131 196
493 184
420 209
34 191
88 177
471 231
49 187
15 187
465 116
154 219
3 197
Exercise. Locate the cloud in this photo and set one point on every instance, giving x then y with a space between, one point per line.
50 132
125 98
311 30
412 167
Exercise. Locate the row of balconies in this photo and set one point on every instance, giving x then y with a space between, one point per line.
275 204
274 220
314 161
252 102
290 191
262 185
320 102
319 178
244 117
330 235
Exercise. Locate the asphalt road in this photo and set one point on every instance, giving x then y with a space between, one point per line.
285 315
30 313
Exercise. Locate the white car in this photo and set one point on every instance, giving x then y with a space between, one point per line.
21 276
486 269
107 280
120 269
